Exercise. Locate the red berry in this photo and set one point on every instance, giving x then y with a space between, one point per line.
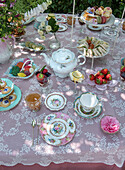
123 69
101 75
45 71
104 71
98 80
40 76
97 74
108 77
104 81
91 77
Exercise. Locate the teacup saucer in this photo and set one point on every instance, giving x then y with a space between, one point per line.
81 112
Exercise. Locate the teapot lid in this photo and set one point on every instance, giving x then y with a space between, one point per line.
63 56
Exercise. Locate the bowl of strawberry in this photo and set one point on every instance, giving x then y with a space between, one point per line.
122 69
43 76
101 78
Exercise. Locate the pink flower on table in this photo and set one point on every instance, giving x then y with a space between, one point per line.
110 124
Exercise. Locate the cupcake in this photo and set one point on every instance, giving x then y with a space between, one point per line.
108 10
99 11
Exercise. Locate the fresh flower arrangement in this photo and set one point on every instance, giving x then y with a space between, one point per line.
48 26
10 19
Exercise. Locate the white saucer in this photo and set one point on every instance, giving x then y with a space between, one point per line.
62 27
78 109
93 28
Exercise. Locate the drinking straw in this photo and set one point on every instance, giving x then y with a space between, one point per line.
72 20
118 31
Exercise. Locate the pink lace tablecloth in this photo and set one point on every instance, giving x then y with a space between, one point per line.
90 143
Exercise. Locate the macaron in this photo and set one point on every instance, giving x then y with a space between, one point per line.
99 20
104 19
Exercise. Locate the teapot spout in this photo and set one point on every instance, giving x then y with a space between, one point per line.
46 58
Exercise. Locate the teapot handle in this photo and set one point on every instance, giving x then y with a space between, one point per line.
81 56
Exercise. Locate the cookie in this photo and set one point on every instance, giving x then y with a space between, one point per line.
11 97
6 90
5 102
2 84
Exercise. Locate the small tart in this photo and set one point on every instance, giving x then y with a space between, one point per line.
5 103
6 90
76 76
11 97
2 84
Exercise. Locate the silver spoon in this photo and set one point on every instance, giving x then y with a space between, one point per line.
38 125
33 125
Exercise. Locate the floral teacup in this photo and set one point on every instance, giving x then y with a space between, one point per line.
88 101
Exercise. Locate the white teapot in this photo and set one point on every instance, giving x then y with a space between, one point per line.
63 61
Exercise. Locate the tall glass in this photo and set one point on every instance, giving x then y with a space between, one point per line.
80 20
33 101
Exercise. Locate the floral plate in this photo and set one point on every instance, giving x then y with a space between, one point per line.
8 72
10 84
17 91
61 18
111 83
81 112
57 129
55 101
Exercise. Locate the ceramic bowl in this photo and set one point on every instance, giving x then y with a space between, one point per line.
110 124
88 101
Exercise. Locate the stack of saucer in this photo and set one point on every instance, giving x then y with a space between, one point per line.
87 105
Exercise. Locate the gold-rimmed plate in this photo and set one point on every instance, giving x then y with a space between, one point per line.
55 101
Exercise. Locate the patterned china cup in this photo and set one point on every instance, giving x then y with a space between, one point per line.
88 101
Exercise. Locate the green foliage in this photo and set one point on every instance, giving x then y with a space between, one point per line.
63 6
53 25
7 16
23 6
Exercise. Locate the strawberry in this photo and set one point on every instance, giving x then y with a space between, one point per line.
104 71
98 80
45 71
91 77
123 69
91 46
89 41
27 66
101 75
40 76
97 74
108 77
104 81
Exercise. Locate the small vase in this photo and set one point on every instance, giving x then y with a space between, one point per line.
54 44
